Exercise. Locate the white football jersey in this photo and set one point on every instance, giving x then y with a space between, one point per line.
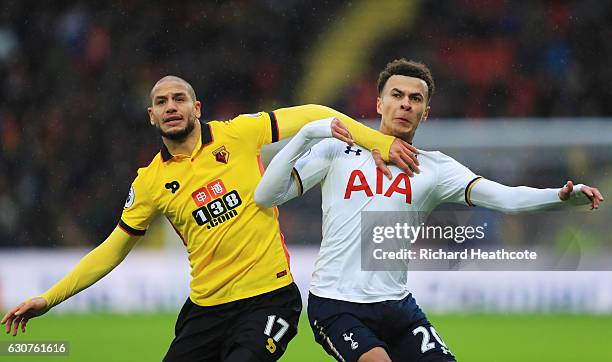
350 184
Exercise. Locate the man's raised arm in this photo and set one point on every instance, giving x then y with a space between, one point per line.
385 148
281 182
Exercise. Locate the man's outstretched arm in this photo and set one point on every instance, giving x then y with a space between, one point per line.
493 195
91 268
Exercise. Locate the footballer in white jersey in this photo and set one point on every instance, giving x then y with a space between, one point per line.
366 316
350 184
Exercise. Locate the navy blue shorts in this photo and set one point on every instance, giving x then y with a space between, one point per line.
347 330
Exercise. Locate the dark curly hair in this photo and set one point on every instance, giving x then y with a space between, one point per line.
408 68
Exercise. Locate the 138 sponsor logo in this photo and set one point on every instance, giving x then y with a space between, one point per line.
218 210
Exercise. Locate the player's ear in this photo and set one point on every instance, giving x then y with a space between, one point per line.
425 114
150 111
198 109
379 105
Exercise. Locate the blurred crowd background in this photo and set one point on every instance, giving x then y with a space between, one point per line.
76 75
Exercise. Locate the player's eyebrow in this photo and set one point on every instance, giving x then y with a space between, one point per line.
416 94
178 94
398 91
402 93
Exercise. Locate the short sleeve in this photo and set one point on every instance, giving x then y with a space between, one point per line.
138 210
454 180
313 166
260 128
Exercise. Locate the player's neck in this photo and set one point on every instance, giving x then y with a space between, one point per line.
185 146
406 137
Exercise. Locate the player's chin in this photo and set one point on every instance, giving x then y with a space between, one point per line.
403 128
174 133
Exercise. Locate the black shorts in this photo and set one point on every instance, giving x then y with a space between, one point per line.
347 330
263 324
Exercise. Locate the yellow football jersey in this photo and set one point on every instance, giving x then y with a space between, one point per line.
235 248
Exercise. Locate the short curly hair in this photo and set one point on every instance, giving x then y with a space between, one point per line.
408 68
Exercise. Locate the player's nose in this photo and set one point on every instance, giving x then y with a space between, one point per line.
171 107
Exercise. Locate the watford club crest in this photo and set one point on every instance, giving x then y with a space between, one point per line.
221 154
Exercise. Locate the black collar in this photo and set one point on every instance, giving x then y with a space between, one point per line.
206 139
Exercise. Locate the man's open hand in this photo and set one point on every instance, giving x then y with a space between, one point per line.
591 192
340 132
22 313
402 154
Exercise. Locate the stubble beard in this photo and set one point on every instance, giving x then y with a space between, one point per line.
179 135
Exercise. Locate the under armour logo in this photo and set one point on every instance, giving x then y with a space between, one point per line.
174 186
349 150
349 338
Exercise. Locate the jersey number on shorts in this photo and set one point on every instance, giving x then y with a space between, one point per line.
271 346
425 344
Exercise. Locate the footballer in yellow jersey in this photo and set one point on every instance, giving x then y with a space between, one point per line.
243 304
235 248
